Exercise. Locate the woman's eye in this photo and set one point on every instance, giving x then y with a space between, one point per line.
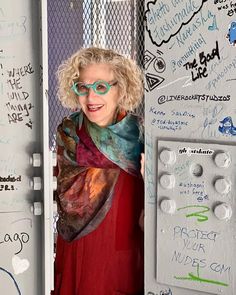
101 87
81 87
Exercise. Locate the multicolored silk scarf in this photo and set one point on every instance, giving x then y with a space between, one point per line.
89 162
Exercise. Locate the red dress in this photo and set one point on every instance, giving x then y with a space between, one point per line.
109 260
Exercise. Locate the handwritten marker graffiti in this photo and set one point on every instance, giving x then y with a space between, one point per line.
227 126
159 66
153 81
232 34
13 28
148 58
18 239
165 20
232 10
24 219
197 278
213 26
158 62
199 69
229 7
193 97
192 49
200 214
185 233
12 279
29 124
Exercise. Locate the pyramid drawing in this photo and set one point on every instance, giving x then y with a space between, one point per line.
153 81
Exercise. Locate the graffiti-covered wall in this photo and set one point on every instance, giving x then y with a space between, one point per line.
190 119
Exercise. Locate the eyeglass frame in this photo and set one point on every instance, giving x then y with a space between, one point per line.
93 86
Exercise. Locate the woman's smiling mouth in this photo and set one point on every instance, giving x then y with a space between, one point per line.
94 107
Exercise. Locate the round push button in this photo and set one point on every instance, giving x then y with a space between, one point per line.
168 206
222 186
223 211
222 160
167 181
167 157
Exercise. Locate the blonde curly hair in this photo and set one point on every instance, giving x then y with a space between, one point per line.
126 72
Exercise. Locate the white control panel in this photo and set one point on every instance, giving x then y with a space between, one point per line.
195 206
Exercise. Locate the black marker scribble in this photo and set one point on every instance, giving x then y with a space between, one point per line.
150 31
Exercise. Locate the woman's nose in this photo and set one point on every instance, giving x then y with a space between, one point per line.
91 93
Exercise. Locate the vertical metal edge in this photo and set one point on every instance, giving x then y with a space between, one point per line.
48 239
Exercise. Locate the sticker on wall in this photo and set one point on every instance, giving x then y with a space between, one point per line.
227 126
196 151
8 183
19 265
153 81
232 33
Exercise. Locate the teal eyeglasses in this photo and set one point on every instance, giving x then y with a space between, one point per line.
99 87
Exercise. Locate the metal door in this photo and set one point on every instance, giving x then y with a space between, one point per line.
190 61
24 157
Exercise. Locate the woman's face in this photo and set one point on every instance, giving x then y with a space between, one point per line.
99 109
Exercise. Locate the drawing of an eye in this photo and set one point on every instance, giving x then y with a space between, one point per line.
159 65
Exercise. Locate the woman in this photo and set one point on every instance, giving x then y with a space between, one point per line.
100 188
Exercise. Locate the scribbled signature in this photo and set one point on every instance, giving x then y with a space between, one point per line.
211 120
209 126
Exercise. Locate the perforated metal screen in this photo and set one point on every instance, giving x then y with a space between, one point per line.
74 24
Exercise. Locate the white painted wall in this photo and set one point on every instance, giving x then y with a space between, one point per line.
190 116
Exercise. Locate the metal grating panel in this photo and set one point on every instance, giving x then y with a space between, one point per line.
74 24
